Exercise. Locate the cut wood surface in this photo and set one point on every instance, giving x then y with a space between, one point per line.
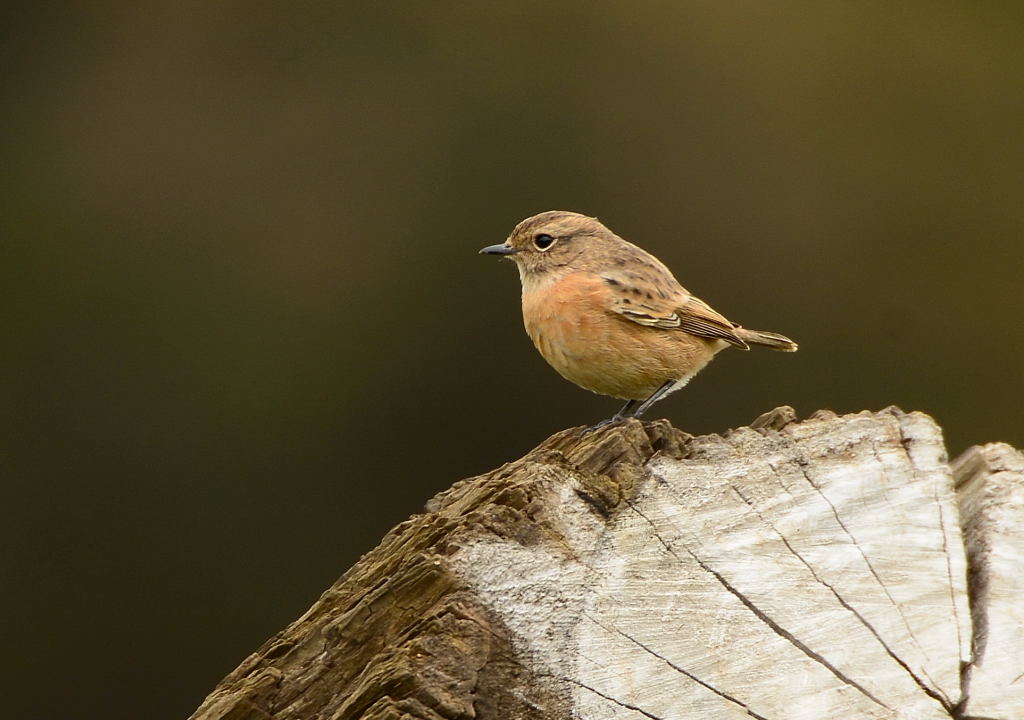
837 567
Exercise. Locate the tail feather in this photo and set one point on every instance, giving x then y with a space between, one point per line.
767 339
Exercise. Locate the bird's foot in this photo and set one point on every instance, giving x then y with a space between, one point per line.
614 420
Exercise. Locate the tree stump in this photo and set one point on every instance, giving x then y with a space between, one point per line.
833 568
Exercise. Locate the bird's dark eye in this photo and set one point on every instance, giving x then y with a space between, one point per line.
543 241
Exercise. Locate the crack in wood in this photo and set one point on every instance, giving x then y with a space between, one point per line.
905 442
566 679
802 464
952 600
842 601
721 693
618 702
724 695
762 616
778 479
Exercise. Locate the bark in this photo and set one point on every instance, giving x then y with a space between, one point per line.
837 567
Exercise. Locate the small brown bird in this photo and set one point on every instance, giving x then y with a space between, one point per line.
611 317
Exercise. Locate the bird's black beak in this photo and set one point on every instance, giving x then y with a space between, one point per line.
503 249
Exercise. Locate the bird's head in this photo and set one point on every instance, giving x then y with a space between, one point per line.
553 241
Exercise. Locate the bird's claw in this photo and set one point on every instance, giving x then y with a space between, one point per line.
614 420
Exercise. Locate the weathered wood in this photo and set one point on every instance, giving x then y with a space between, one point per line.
792 570
990 483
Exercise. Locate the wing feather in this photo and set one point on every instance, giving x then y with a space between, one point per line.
656 299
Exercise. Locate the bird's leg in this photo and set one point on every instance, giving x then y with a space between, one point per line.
655 397
625 412
621 415
634 408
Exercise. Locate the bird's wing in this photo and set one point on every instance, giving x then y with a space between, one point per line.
656 299
699 318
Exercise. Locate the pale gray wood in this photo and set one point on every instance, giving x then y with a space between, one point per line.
812 572
990 481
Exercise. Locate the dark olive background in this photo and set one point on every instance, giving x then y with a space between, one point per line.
247 330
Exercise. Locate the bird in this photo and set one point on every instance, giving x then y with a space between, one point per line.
612 318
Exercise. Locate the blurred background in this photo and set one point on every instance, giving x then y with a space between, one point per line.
248 331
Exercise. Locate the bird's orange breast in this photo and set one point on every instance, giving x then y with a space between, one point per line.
570 321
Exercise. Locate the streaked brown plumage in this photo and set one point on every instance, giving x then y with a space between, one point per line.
610 316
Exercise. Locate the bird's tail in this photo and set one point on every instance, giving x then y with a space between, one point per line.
767 339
